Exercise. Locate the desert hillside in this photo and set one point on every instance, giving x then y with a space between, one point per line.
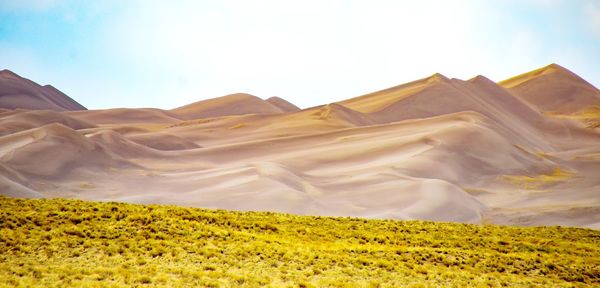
524 151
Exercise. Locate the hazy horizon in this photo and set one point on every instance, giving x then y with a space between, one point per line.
151 54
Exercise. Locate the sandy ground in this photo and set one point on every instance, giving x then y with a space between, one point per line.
438 149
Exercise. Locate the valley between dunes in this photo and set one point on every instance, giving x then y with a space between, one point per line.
524 151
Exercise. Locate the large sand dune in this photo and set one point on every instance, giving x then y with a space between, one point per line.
234 104
554 89
437 148
18 92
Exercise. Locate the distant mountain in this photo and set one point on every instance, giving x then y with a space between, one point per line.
234 104
282 104
18 92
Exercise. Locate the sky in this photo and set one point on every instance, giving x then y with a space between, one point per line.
164 54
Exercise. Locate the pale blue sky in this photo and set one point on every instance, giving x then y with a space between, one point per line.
169 53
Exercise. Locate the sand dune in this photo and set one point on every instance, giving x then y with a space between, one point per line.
340 113
11 188
412 147
14 184
378 100
231 129
163 141
53 151
438 95
283 105
22 120
437 148
18 92
319 180
234 104
125 116
121 146
554 89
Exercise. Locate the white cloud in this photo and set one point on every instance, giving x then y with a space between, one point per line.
592 16
308 50
154 53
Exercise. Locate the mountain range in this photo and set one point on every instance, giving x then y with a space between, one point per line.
523 151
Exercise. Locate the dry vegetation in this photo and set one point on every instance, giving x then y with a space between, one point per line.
589 116
539 181
52 243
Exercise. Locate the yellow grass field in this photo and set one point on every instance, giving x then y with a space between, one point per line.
70 243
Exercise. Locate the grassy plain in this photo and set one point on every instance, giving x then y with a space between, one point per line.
58 242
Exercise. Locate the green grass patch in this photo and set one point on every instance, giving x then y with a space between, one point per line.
71 243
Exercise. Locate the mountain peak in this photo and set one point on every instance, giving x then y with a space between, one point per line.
8 73
554 88
437 77
20 92
552 68
480 79
282 104
238 96
232 104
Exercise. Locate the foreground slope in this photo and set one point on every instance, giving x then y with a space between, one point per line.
56 243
